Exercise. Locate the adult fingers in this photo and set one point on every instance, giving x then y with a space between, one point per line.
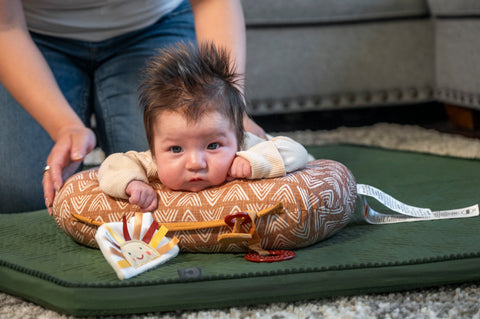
60 162
52 177
48 190
82 143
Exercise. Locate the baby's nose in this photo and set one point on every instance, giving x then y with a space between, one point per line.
196 160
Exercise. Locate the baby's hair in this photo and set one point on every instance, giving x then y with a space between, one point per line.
192 80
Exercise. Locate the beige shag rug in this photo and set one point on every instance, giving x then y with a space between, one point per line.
458 301
394 136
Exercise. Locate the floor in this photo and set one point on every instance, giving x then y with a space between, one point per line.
429 115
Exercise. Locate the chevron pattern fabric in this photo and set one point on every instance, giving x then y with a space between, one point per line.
318 201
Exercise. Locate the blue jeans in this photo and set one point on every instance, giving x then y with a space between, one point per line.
99 78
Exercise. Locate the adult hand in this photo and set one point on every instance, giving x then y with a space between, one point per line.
252 127
71 147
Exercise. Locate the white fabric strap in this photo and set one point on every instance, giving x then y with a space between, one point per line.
403 212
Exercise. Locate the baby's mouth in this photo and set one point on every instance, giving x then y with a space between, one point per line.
196 179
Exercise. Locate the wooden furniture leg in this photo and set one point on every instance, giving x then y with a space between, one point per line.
461 117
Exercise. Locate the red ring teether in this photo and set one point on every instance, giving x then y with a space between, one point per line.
275 255
230 219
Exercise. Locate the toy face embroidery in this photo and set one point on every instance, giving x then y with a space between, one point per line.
139 250
138 253
137 246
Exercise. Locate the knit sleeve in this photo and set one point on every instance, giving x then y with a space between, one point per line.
119 169
294 155
275 157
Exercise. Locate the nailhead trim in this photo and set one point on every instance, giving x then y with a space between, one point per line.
343 100
457 97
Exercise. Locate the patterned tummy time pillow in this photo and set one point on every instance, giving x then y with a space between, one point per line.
297 210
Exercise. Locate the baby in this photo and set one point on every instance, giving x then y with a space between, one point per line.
193 115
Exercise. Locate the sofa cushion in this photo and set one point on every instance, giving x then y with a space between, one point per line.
457 8
288 12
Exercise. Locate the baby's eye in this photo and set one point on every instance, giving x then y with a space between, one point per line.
175 149
213 146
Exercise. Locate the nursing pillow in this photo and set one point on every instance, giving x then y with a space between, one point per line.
289 212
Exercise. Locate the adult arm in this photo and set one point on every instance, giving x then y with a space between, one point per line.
222 22
27 76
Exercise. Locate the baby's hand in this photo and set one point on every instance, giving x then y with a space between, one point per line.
142 194
240 168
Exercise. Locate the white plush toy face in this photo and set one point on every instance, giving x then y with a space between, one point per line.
137 246
138 253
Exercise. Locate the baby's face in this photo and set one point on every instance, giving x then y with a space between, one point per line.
196 155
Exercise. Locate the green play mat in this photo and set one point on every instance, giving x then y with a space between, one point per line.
39 263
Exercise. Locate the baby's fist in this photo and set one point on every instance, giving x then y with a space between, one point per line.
142 194
240 168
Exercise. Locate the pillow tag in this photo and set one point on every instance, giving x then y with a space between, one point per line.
403 212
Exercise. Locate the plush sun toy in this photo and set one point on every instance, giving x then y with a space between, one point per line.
135 246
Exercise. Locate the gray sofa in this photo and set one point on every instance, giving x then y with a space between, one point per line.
312 55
